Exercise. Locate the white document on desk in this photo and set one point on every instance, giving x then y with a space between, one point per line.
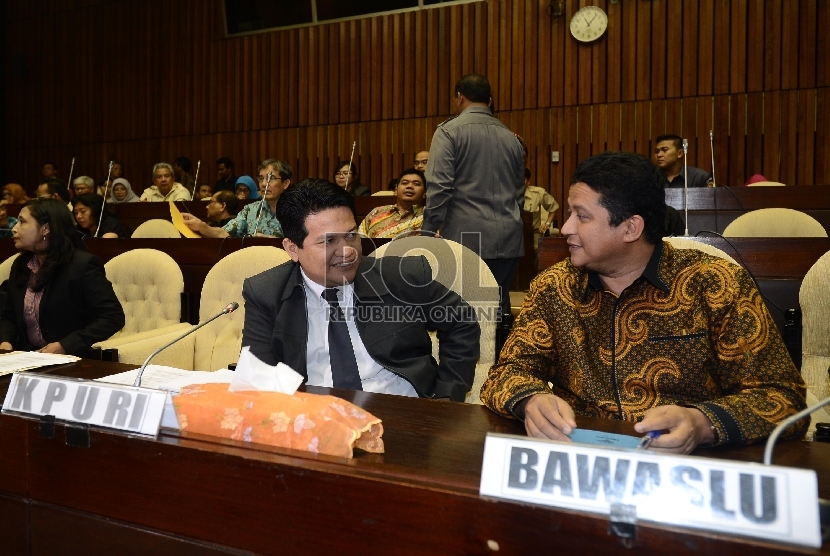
17 361
171 379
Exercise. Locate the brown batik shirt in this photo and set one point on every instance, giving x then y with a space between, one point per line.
692 331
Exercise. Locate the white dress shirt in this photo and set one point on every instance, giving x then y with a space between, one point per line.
374 377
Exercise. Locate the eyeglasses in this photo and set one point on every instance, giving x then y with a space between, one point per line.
342 174
262 179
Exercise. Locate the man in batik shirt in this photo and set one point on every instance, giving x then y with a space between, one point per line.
631 328
405 216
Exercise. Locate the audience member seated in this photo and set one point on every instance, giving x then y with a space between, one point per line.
536 199
421 159
83 185
246 189
6 222
405 216
256 219
59 299
224 170
222 208
350 180
204 193
164 187
13 193
181 167
104 186
668 155
631 328
54 189
288 309
122 192
89 210
49 171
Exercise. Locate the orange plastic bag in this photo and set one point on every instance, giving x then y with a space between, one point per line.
309 422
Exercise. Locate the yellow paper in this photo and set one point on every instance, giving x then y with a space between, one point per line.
178 222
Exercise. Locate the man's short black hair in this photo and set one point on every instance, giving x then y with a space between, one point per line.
54 166
527 173
57 186
226 161
474 87
413 171
301 200
678 142
229 198
628 184
184 163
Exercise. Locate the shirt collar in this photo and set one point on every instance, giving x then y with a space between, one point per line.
478 109
651 274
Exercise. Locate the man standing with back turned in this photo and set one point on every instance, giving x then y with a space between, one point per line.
475 183
630 328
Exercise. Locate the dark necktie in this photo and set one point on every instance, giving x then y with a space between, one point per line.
344 371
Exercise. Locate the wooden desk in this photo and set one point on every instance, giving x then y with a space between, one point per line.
186 494
715 208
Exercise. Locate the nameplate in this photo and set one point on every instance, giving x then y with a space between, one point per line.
748 499
124 408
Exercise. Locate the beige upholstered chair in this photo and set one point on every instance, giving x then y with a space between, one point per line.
775 222
383 193
6 267
157 228
217 345
149 285
814 298
689 243
479 289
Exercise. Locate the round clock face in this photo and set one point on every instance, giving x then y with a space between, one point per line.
589 23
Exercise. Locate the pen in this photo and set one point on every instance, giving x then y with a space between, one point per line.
647 439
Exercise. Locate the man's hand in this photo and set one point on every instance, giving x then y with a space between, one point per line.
688 427
54 347
192 222
543 228
549 416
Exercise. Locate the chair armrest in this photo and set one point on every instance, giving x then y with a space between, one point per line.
117 341
179 355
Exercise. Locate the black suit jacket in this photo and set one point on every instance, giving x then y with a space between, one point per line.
276 326
78 307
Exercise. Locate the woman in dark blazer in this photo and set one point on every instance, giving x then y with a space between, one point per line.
59 299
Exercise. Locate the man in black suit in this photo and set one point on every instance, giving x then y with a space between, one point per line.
351 322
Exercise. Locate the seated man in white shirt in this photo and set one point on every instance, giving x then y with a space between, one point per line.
165 187
294 313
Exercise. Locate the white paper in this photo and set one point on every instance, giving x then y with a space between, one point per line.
170 378
253 374
24 360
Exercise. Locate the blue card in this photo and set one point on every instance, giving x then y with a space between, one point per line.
585 436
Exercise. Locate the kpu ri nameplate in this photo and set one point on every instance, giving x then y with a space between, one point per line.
748 499
124 408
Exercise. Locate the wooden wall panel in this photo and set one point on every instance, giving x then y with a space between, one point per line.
169 84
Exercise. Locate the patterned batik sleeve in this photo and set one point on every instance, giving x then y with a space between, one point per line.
528 357
761 386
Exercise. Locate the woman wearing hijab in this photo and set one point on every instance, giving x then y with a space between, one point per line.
14 194
246 189
122 192
59 299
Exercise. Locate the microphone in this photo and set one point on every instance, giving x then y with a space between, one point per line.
262 201
785 424
686 184
230 308
712 149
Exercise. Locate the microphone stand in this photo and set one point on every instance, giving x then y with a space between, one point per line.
196 180
262 201
785 424
686 183
71 169
231 307
104 204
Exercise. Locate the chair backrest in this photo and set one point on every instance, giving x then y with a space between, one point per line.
156 228
218 344
689 243
382 193
814 298
6 267
775 222
765 183
462 271
149 285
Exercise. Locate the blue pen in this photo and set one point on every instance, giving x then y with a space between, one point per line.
648 438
